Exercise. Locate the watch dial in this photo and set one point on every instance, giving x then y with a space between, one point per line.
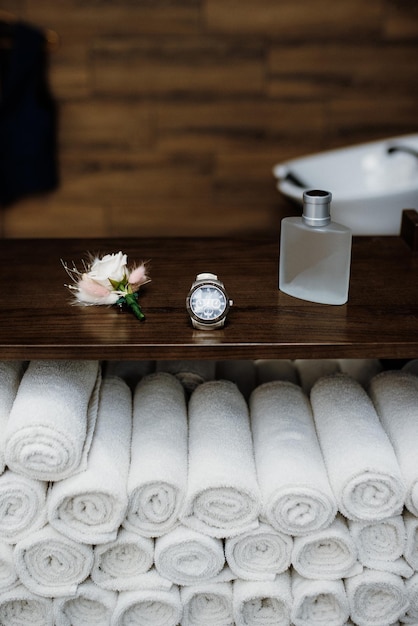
208 302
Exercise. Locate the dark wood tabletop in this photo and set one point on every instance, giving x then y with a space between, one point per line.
38 319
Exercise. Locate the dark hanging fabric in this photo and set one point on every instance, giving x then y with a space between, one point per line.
28 160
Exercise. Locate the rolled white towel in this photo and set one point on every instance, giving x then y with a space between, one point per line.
118 565
381 544
395 396
223 497
276 369
411 543
376 598
362 370
259 554
262 603
190 373
311 370
411 367
19 606
130 371
10 376
52 420
207 603
89 605
317 602
327 554
411 586
50 564
90 506
8 574
157 478
241 372
296 494
22 506
362 466
153 607
186 556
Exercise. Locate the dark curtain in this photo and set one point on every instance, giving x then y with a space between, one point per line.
28 119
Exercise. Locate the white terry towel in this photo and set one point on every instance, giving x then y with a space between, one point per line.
52 420
50 564
395 396
22 506
259 554
21 607
90 605
411 586
362 466
8 574
239 371
381 544
130 371
151 607
276 369
327 554
318 602
223 497
186 556
362 370
296 494
411 367
118 565
191 373
207 603
376 598
311 370
262 603
10 376
157 477
90 506
411 543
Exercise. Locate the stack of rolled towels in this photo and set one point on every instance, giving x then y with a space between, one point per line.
247 493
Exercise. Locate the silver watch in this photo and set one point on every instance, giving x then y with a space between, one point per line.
207 302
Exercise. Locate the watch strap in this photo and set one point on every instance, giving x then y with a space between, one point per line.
201 326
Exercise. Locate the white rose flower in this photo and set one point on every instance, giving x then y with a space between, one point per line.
111 266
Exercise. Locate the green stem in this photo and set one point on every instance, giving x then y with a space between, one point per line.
132 303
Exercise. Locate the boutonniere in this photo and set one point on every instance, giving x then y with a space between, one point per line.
108 280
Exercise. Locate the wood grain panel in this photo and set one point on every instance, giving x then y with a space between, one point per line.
352 119
236 124
106 125
47 216
295 18
84 20
172 113
335 70
401 20
176 66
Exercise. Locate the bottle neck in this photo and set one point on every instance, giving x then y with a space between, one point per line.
316 208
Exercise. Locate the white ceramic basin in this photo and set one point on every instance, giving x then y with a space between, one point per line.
370 186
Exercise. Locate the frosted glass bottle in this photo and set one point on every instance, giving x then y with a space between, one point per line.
315 253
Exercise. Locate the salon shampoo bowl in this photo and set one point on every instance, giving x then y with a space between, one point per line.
371 183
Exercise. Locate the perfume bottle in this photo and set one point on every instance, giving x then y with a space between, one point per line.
315 253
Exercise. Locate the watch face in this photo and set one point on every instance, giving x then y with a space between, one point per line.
208 303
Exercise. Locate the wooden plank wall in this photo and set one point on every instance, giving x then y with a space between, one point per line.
173 112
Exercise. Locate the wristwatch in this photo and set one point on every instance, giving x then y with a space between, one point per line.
207 302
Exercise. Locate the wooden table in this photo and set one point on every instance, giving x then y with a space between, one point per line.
37 319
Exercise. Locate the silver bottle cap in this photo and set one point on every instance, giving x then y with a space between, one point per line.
316 207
